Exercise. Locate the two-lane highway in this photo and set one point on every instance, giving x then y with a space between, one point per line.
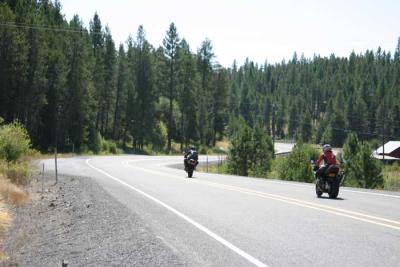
222 220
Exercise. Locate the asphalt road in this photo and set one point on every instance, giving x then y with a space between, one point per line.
221 220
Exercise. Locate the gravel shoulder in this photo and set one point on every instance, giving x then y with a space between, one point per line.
77 222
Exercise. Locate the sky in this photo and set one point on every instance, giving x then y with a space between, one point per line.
261 30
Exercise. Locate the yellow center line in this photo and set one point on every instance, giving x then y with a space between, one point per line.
302 203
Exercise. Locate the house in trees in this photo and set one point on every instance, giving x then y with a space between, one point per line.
391 150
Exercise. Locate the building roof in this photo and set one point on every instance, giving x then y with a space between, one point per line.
389 147
386 157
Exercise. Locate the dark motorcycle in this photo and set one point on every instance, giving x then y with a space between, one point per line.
329 181
191 160
191 166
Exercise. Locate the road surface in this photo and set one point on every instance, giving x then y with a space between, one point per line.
222 220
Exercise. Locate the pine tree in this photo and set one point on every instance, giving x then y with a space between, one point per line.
110 61
361 168
220 104
394 122
171 43
121 94
305 127
144 95
188 100
294 119
97 41
13 67
205 55
267 114
77 114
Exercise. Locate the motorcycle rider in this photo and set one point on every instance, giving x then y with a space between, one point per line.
190 154
329 159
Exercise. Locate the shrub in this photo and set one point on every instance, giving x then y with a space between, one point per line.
203 150
160 136
95 141
361 168
14 142
297 167
250 151
18 173
104 145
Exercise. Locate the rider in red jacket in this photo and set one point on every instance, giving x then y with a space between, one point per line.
328 157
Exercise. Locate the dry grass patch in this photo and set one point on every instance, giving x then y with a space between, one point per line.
4 217
17 173
223 145
9 193
5 222
12 193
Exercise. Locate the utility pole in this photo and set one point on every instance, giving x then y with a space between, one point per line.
56 142
383 132
273 129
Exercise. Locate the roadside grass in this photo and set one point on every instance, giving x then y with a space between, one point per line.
11 193
5 219
222 168
214 168
5 223
17 172
222 146
391 176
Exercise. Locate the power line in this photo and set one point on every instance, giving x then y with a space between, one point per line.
345 130
45 28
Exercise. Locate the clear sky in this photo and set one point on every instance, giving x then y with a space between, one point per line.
258 29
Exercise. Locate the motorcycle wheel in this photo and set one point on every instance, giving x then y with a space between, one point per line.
334 192
318 191
190 173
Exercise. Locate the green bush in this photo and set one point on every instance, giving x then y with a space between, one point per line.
109 146
160 136
250 152
95 141
362 169
14 142
104 145
112 147
18 173
203 150
296 166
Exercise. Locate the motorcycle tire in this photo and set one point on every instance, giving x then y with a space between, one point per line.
318 191
334 192
190 173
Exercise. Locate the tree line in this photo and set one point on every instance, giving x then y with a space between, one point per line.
71 85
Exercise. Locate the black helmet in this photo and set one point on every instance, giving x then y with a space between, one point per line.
193 148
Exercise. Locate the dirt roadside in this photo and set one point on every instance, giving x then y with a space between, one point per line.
77 222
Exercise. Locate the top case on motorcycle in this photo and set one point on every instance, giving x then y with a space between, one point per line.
332 169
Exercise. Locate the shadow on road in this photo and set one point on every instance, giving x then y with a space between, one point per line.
325 197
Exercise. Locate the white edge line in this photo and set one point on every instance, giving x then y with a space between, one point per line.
324 208
186 218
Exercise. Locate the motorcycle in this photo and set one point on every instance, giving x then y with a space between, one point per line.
190 162
191 166
329 182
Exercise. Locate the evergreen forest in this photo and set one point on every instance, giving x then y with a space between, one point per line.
70 85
